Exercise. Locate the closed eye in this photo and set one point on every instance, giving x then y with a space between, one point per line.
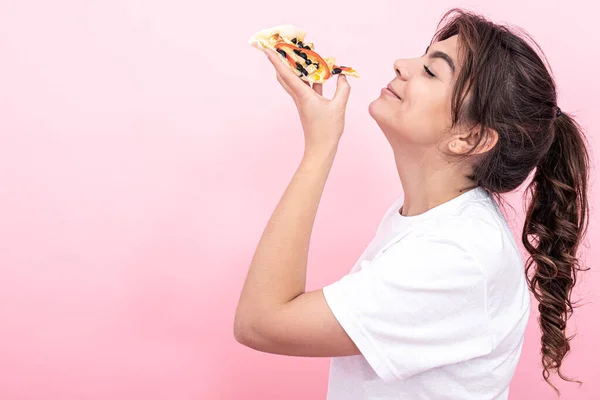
428 71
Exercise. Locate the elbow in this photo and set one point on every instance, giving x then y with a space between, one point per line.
242 331
254 329
249 334
238 332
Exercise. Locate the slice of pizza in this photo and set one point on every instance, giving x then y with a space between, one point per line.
288 41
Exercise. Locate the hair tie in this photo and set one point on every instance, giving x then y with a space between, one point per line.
558 112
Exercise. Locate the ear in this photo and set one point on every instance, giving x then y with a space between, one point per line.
461 143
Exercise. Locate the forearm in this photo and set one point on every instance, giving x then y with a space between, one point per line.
277 272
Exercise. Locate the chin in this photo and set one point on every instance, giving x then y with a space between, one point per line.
381 113
376 109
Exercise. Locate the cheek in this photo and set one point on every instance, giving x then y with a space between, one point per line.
428 110
420 118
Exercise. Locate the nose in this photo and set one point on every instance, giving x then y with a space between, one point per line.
401 69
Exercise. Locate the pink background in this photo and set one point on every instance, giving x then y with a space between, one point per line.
143 146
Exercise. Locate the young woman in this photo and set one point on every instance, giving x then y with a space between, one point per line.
437 305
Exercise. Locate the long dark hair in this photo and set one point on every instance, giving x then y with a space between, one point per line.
505 86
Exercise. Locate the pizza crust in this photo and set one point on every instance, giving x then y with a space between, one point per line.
271 36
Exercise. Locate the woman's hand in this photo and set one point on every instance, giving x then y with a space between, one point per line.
322 119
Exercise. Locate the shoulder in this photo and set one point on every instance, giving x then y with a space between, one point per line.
476 225
433 252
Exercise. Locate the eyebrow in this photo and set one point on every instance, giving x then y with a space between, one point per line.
443 56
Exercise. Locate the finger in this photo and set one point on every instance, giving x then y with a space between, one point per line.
318 87
342 90
283 84
286 74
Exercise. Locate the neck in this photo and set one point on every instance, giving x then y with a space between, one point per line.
427 184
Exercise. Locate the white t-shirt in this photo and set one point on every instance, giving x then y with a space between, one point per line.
437 305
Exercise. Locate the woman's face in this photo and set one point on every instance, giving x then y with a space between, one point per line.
417 110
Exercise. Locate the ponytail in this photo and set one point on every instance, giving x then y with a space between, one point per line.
555 225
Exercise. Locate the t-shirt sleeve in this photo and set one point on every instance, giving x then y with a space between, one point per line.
419 305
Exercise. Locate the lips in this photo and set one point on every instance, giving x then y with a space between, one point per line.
391 89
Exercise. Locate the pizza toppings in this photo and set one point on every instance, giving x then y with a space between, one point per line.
288 41
300 68
344 70
300 53
307 62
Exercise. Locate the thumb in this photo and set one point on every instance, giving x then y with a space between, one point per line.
342 90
